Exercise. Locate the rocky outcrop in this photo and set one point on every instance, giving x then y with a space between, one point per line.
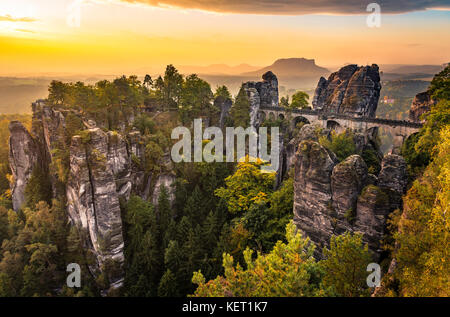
307 132
167 181
103 168
224 105
312 192
261 94
376 202
24 155
96 161
347 180
421 104
331 198
393 175
119 162
352 90
372 210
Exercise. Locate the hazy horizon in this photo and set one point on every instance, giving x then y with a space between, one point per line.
123 37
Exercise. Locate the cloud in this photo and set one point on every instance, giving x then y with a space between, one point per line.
25 31
297 7
9 18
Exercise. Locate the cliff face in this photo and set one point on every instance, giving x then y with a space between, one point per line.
261 94
23 158
421 104
352 90
102 169
98 166
331 198
312 191
224 104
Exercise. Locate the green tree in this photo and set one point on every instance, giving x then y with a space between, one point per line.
247 186
299 100
148 82
222 91
195 100
170 87
58 92
168 285
288 270
422 234
284 102
38 187
345 265
240 111
340 144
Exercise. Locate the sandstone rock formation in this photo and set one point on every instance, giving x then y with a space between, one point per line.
371 214
103 168
421 104
166 180
352 90
376 202
307 132
224 104
331 198
23 157
261 94
93 195
393 173
347 180
312 192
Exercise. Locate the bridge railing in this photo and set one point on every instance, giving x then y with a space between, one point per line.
330 116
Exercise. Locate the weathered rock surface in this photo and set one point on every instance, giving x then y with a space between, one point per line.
166 180
103 168
331 198
373 207
421 104
352 90
347 180
261 94
307 132
393 173
224 104
312 192
23 157
93 195
376 202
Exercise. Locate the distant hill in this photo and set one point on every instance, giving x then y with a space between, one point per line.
292 67
412 69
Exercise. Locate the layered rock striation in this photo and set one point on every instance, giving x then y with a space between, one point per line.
24 156
421 105
352 91
102 168
261 94
332 197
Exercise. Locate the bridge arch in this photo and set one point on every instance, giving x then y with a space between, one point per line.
333 125
281 116
262 116
407 140
271 116
299 119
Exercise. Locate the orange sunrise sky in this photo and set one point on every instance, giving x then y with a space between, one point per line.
138 36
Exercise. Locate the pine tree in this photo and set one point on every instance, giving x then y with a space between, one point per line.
345 265
240 111
168 285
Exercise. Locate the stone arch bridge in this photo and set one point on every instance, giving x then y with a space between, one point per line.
399 129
